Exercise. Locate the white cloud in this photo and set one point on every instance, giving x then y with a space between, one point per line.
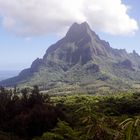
38 17
9 23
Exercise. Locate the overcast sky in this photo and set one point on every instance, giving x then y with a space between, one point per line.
28 27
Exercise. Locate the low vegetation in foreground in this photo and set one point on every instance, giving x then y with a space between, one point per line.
31 115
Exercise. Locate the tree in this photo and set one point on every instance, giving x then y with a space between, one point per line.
61 132
96 129
131 128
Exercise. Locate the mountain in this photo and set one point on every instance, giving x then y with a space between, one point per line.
81 61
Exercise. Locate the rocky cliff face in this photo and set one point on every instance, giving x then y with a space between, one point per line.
80 57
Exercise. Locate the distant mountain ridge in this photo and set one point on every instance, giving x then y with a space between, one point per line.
83 60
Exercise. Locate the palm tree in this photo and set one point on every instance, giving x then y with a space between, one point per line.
131 128
96 129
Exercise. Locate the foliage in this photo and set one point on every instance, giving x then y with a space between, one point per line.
30 114
27 114
131 127
62 132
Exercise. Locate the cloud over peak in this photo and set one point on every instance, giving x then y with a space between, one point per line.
40 17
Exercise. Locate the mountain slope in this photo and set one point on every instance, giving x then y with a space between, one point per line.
83 60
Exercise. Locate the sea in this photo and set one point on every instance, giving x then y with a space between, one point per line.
5 74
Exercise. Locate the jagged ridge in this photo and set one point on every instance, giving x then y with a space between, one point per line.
80 57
